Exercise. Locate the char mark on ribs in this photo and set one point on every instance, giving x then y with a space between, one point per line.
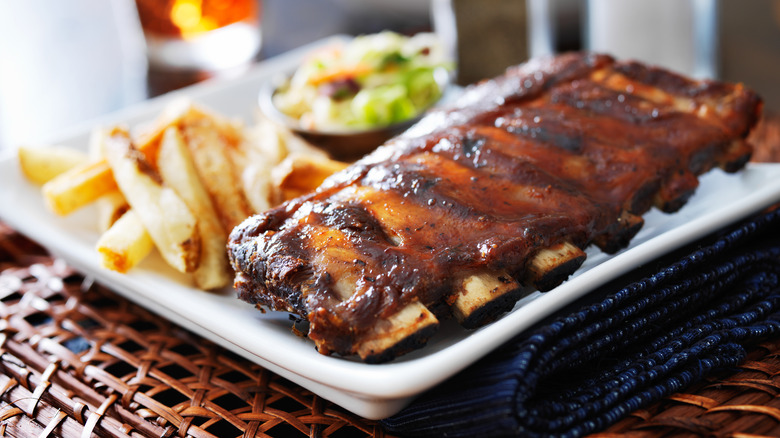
496 195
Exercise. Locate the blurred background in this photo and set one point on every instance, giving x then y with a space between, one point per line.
64 62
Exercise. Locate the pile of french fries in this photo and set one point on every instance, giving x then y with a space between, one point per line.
179 185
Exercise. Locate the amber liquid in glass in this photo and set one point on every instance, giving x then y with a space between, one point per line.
200 34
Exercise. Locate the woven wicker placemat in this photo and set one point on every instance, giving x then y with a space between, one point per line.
736 403
78 360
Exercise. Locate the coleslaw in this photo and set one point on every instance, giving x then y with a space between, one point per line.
371 81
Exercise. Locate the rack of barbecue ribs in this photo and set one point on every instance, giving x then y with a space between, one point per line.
488 198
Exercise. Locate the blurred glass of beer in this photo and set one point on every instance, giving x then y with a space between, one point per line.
200 34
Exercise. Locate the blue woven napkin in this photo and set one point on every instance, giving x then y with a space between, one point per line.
638 342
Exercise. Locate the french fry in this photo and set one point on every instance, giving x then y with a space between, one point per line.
78 187
186 181
84 184
124 244
97 140
178 171
111 206
256 182
297 145
172 115
181 112
261 149
299 174
166 217
231 130
276 142
208 149
266 147
42 164
265 139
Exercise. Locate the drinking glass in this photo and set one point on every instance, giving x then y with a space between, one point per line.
206 35
681 35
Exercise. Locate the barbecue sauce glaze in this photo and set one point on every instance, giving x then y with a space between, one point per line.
554 150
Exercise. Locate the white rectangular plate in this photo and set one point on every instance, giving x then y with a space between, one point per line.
372 391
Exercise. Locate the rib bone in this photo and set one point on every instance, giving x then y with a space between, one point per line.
550 266
406 330
482 297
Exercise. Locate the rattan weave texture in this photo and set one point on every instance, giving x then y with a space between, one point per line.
737 403
78 360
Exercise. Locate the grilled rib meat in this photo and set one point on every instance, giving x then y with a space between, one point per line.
478 202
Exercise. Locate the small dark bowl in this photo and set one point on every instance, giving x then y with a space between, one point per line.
344 145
